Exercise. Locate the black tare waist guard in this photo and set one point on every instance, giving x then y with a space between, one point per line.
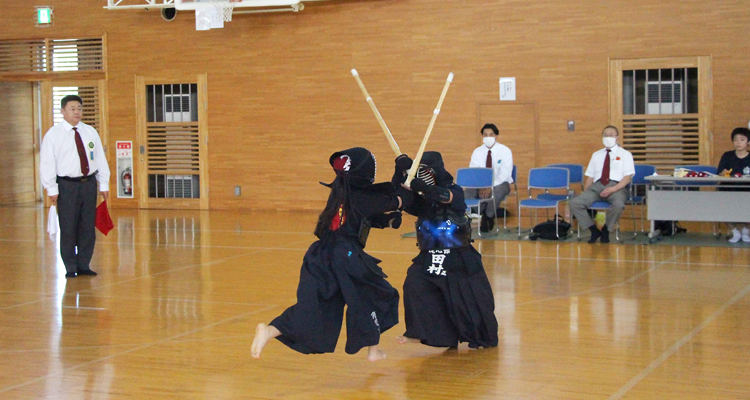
446 230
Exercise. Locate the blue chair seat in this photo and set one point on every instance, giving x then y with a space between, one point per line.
551 196
538 203
599 205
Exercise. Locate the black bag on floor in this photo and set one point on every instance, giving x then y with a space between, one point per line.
546 230
502 212
669 228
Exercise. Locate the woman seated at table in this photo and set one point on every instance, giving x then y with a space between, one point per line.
736 163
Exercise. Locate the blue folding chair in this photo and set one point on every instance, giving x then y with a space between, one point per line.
477 178
576 172
545 179
576 176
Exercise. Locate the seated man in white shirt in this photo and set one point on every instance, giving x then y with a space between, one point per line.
609 172
498 157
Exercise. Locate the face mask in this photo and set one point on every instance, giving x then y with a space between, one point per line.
488 141
609 142
427 174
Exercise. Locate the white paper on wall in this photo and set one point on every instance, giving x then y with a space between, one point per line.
508 89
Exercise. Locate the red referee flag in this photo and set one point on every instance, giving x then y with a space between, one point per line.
103 220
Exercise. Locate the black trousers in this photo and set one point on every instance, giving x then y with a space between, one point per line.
76 209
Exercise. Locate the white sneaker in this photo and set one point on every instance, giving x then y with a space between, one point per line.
746 235
736 236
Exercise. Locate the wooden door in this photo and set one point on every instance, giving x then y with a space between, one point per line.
18 182
172 142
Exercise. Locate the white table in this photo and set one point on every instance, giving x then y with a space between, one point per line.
696 199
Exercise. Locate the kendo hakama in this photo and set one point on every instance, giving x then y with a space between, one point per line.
447 296
448 299
336 271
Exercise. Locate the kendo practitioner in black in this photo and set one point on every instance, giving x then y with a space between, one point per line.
447 296
336 271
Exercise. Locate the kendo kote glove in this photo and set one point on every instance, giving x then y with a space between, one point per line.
403 163
407 196
390 220
433 193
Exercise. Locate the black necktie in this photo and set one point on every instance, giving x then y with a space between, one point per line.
81 153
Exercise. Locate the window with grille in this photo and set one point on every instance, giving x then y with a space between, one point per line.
173 141
660 91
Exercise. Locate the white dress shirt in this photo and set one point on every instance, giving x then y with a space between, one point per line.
502 162
59 156
620 164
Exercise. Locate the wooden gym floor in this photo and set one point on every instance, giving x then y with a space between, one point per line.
173 310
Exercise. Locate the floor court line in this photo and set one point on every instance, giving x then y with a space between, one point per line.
673 349
378 251
629 280
128 344
188 230
145 346
141 277
51 296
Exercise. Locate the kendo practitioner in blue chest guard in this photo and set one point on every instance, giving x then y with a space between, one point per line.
447 296
336 271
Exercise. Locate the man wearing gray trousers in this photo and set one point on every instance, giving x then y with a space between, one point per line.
73 167
608 174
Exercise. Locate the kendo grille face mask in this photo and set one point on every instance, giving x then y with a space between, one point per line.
426 174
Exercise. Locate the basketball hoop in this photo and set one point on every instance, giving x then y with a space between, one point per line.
225 8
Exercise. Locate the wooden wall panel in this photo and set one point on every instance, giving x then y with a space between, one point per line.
17 182
281 98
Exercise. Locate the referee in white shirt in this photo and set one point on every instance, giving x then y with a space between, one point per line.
72 162
609 172
498 157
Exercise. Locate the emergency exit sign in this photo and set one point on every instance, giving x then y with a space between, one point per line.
43 16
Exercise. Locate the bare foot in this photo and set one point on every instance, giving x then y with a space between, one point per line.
405 340
375 354
263 333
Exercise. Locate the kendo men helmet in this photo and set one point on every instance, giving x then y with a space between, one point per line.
432 170
357 163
